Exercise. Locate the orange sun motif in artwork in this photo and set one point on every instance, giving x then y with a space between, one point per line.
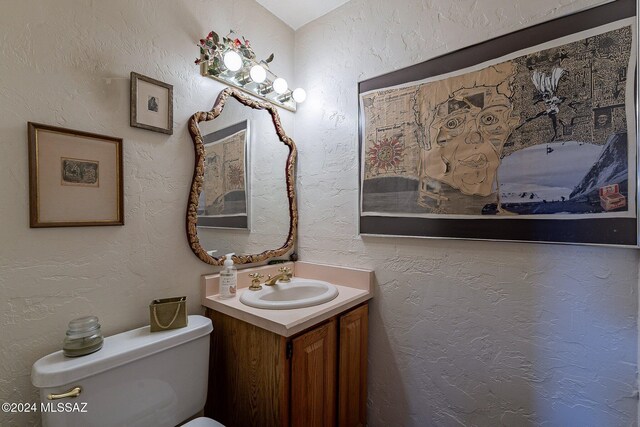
235 176
386 154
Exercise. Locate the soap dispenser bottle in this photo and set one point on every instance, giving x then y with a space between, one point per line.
228 278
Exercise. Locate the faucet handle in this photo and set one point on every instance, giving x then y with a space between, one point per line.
255 282
286 274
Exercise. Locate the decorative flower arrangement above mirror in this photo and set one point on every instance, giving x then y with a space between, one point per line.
232 61
272 200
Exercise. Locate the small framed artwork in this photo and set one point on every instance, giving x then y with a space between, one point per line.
75 178
151 104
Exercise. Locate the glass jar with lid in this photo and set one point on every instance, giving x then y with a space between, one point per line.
83 337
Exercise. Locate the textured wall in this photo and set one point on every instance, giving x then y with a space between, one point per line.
462 333
67 63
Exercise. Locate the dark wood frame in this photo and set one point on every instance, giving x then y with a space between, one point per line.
34 206
198 179
133 121
596 231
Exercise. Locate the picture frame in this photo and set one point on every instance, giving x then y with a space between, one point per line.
75 178
225 199
549 61
151 104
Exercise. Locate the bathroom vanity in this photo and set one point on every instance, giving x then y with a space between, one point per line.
294 352
302 366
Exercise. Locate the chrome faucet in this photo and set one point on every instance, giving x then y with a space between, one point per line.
284 276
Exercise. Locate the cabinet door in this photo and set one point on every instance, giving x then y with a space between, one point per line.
352 368
313 377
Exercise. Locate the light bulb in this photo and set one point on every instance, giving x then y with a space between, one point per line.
232 61
299 95
280 85
258 74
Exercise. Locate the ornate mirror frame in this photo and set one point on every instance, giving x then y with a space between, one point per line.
198 179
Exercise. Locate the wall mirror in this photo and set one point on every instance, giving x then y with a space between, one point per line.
242 197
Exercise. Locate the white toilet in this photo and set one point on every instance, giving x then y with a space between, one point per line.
137 379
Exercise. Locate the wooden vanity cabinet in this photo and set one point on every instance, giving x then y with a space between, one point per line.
315 378
352 368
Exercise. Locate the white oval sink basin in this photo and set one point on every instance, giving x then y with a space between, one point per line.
296 294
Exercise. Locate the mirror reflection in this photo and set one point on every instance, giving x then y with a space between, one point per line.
243 207
223 200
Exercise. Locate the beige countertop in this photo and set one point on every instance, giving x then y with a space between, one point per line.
354 288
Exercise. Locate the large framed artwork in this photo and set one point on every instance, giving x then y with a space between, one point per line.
527 137
224 198
75 178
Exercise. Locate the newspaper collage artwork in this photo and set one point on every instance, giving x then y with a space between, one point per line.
224 190
546 132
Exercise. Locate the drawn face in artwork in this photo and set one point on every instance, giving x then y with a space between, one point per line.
467 135
602 120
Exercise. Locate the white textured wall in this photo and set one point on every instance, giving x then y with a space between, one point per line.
67 63
462 333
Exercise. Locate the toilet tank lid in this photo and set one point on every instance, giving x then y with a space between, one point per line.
56 370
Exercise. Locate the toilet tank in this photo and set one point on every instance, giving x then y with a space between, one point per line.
137 379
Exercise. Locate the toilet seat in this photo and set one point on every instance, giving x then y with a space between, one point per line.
202 422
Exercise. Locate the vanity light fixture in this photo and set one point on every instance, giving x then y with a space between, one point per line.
280 86
231 60
258 74
299 95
